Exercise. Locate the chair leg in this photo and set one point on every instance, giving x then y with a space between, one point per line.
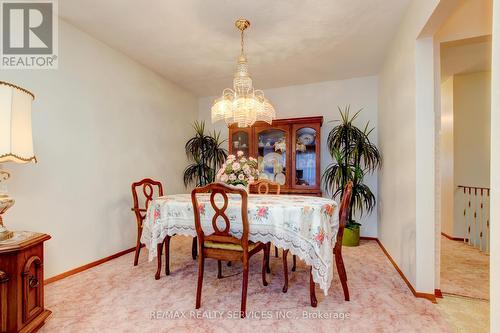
201 267
219 269
268 251
138 245
167 255
244 290
285 270
194 248
265 261
276 251
342 273
159 250
294 266
312 290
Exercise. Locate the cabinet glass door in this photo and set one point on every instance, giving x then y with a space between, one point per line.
306 155
271 154
240 140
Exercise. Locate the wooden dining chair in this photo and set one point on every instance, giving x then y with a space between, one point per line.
221 245
264 186
337 250
150 189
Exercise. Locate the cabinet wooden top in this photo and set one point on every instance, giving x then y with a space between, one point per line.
22 240
285 121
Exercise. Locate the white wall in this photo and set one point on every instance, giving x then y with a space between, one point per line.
100 122
398 141
425 140
322 99
409 219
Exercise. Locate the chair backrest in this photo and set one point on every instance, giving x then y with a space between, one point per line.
264 186
344 212
221 235
148 190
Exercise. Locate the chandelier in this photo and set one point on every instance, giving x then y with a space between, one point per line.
243 104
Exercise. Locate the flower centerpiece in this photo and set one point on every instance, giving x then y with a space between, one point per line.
238 170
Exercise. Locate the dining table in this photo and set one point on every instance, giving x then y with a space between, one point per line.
306 226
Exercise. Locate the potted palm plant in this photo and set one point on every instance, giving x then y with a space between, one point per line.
206 154
354 156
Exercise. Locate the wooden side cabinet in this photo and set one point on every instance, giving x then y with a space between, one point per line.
21 283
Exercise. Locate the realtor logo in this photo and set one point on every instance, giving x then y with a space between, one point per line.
29 34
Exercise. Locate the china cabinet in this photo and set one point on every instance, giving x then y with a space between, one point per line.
288 151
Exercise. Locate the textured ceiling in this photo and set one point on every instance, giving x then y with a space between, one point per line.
194 43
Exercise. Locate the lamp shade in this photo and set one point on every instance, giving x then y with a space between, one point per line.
16 139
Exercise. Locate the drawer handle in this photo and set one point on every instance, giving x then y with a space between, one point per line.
33 281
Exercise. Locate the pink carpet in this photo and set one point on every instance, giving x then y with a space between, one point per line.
118 297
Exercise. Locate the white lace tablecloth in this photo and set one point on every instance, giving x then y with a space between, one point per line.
307 226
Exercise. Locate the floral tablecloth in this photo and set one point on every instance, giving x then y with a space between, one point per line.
307 226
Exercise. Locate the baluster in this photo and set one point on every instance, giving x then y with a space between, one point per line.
475 218
476 214
481 221
488 221
469 219
465 215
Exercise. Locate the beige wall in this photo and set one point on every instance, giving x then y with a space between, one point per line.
446 157
100 122
465 143
471 129
471 18
322 99
495 175
472 105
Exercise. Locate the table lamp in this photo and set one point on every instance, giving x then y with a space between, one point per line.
16 140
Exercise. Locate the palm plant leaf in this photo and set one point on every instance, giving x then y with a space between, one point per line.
217 153
207 154
191 174
354 156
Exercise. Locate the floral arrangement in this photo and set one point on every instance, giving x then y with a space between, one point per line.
238 170
280 146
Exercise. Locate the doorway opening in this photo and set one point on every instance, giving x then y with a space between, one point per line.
465 166
462 53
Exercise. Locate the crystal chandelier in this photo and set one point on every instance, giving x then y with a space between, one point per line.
243 104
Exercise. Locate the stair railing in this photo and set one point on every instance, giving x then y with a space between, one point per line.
476 213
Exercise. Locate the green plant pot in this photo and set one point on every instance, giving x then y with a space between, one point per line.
351 237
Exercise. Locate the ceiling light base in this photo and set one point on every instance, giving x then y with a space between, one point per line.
242 24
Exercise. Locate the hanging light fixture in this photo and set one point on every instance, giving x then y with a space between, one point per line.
243 104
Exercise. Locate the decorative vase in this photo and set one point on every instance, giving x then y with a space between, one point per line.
239 186
351 237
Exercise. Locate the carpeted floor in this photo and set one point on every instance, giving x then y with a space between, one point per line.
464 314
117 297
465 271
